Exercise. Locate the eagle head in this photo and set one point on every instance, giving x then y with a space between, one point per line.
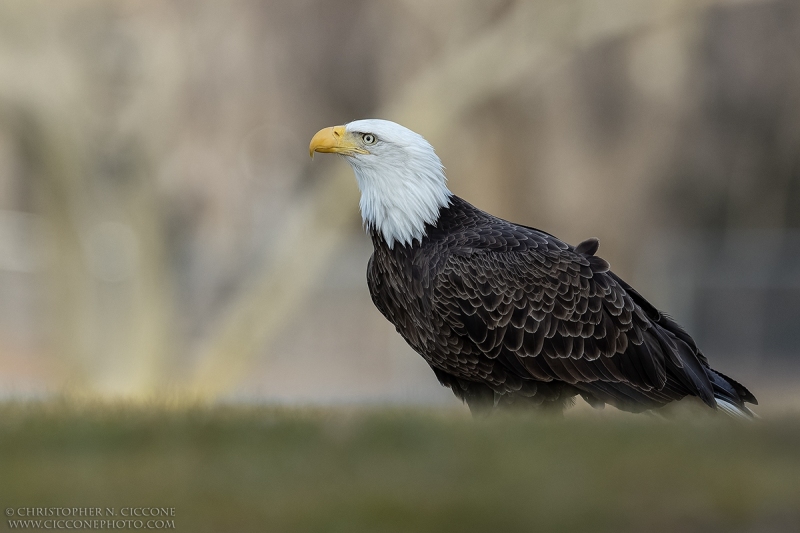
402 181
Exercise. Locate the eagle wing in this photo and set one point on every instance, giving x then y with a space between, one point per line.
555 312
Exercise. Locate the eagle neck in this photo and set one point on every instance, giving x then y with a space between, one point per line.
400 201
452 217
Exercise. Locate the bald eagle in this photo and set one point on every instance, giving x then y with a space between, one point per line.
508 315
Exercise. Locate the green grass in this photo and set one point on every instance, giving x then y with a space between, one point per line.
234 468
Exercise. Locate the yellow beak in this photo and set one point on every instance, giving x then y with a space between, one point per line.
335 140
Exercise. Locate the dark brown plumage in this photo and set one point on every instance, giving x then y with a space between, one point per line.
509 315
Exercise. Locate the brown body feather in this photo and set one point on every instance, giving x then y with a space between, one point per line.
508 315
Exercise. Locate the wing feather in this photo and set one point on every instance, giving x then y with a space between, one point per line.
556 313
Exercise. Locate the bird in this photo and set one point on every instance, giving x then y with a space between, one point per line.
508 316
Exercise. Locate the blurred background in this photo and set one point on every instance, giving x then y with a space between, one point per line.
164 232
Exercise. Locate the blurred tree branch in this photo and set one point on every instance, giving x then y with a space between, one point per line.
109 301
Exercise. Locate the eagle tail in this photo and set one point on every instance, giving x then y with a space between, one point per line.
735 411
731 396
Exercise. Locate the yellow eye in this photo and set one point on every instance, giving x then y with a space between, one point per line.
368 138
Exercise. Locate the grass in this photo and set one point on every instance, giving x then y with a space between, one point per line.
234 468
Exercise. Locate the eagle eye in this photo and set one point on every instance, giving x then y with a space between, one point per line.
368 138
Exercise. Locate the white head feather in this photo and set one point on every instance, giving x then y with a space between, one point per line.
402 181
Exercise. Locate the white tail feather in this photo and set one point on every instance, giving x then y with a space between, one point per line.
742 413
